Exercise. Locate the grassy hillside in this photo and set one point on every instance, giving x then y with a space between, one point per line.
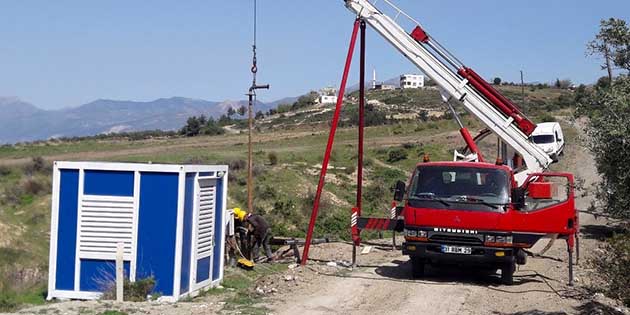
288 153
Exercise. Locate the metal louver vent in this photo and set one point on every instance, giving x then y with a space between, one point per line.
205 223
105 221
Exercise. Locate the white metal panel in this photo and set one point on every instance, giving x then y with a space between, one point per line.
205 219
54 229
179 233
105 221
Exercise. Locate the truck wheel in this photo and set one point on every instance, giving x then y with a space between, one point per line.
417 267
507 273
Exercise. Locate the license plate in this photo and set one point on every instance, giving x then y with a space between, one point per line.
456 250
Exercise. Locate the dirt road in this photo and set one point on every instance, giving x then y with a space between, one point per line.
382 283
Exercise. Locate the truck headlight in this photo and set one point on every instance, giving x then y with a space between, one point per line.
490 238
422 233
411 233
507 239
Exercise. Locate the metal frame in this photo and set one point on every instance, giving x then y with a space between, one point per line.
220 173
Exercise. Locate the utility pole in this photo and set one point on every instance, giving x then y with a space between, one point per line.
522 90
252 99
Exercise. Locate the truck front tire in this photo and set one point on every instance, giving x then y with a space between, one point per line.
507 273
417 267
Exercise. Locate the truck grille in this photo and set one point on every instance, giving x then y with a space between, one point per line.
455 239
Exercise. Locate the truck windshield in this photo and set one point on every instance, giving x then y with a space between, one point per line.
542 139
459 187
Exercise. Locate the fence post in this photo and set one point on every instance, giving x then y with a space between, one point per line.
119 272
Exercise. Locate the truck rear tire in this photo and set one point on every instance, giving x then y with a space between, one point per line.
507 273
417 267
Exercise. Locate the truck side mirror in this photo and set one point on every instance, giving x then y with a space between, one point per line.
399 190
518 198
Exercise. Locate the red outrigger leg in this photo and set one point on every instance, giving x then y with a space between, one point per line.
331 139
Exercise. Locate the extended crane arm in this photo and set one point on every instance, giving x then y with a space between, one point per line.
478 97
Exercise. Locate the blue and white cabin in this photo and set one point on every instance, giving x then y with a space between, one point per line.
170 218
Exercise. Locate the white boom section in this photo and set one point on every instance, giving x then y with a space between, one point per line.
536 159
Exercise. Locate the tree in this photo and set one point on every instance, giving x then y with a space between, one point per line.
609 139
202 120
242 110
191 128
259 115
224 120
231 112
212 128
497 81
305 100
613 44
563 84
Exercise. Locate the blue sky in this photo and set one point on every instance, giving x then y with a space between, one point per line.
66 53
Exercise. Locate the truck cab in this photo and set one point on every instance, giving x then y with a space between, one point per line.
548 136
472 213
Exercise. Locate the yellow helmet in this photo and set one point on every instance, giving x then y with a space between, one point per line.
239 214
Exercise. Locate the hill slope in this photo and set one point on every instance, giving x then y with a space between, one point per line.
21 121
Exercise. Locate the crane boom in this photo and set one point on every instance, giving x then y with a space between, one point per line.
457 81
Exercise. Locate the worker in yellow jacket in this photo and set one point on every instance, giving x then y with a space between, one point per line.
259 229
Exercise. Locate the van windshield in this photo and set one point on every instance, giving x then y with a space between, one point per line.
542 139
458 187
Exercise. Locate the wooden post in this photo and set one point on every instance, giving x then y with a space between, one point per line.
119 272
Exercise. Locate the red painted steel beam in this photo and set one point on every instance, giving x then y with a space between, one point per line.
471 143
500 101
331 140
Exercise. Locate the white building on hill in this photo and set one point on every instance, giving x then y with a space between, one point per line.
327 99
327 95
411 81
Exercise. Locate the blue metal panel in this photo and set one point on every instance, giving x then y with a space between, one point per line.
157 225
218 232
67 229
187 239
99 275
203 269
108 183
206 174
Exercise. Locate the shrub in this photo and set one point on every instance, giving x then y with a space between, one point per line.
546 117
36 165
273 158
132 291
408 145
398 99
396 155
257 170
350 169
13 194
4 170
32 187
8 301
237 165
613 267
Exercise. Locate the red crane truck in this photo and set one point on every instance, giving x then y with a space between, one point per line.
467 211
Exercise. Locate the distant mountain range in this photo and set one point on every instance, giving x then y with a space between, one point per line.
21 121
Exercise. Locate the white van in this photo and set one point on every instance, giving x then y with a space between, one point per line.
549 137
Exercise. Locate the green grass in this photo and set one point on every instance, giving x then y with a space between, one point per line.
284 192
